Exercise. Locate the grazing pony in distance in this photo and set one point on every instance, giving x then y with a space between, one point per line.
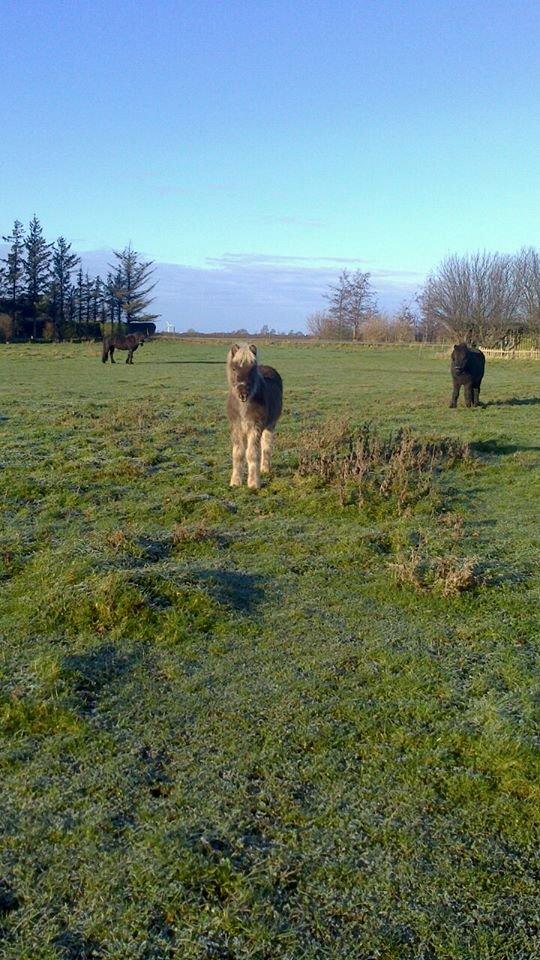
253 408
467 368
119 341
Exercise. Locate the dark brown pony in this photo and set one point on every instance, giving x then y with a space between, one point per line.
467 367
119 341
253 407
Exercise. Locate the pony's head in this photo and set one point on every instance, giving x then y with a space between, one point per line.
459 357
242 370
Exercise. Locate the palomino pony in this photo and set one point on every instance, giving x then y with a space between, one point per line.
129 342
253 407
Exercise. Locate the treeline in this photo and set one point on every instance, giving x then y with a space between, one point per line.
481 298
241 333
44 293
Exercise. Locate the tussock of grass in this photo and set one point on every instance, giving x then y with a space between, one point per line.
448 575
31 718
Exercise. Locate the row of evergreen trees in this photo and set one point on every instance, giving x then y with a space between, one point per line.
45 293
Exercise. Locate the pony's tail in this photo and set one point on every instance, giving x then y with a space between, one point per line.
105 351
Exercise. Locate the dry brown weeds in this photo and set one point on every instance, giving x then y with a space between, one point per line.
362 463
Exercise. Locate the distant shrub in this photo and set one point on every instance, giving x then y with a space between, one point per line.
379 328
6 328
326 327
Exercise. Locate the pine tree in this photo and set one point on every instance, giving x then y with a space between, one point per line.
79 295
96 296
13 274
71 306
87 295
63 263
36 267
113 298
135 275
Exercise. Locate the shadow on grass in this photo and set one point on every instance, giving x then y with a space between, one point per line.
498 448
155 775
241 591
8 899
514 402
91 672
74 946
220 363
499 574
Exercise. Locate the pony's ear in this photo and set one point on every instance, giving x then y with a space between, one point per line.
234 349
253 349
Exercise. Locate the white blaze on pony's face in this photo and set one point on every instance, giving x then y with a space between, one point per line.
242 370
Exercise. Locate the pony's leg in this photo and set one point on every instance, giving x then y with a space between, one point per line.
266 450
238 455
111 354
129 357
254 459
476 396
455 395
468 394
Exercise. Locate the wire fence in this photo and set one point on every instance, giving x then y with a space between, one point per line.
438 349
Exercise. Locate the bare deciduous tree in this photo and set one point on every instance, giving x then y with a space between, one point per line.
361 301
474 298
351 302
338 298
528 278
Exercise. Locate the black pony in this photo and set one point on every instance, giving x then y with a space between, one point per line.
119 341
467 369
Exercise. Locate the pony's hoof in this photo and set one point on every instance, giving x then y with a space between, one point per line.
235 483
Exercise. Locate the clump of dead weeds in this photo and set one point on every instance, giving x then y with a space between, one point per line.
448 575
191 533
432 560
368 468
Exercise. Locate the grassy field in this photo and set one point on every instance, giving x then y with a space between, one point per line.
291 724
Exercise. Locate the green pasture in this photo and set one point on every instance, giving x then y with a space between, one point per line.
231 725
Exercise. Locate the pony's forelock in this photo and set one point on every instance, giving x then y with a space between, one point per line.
242 355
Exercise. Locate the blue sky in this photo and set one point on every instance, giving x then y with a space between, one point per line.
254 148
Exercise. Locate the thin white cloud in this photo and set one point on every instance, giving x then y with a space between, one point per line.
292 221
248 259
